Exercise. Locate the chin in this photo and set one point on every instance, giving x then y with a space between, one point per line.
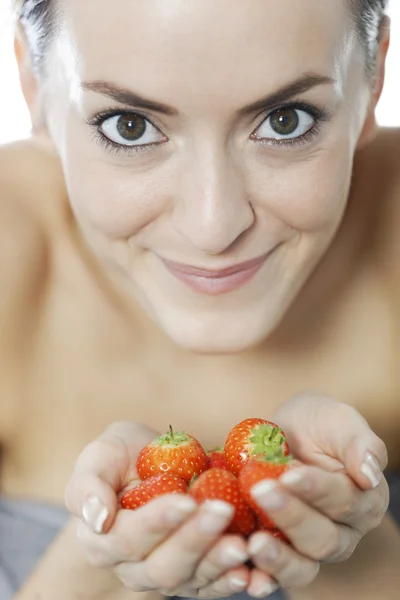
218 334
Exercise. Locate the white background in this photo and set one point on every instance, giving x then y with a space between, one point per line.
14 118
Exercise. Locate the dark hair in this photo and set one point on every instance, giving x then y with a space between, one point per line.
38 18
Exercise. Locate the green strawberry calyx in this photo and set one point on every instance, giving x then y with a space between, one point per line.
173 438
216 449
267 440
278 459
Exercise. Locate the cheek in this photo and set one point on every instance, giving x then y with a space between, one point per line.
310 194
112 200
113 195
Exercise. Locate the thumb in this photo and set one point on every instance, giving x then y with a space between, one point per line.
365 458
102 470
333 435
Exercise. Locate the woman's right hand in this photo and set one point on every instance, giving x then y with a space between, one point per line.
170 545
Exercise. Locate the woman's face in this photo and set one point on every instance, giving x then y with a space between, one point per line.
197 136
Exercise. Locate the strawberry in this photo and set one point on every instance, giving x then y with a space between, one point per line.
158 485
256 470
177 453
220 484
253 437
216 458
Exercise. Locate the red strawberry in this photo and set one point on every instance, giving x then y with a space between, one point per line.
167 483
219 484
254 437
256 470
216 458
177 453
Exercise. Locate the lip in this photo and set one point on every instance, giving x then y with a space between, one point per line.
215 281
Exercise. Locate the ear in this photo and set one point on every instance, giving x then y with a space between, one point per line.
29 80
370 125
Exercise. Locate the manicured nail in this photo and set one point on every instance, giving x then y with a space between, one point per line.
257 544
266 589
295 480
234 556
181 510
95 514
237 584
264 545
266 495
215 517
371 469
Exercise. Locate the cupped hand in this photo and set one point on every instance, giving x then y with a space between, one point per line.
170 545
327 505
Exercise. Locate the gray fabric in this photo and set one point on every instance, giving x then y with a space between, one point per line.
28 528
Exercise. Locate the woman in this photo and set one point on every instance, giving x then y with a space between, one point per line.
205 218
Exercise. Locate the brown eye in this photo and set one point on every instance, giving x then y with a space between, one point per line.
285 124
284 121
130 129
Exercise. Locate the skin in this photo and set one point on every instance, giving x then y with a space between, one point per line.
208 196
86 294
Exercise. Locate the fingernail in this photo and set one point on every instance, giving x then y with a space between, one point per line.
295 479
264 545
233 556
371 469
237 584
265 590
215 517
267 496
257 544
94 514
180 511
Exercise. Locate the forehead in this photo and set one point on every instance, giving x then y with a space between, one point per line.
176 45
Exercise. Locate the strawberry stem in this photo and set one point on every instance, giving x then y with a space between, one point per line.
268 440
172 437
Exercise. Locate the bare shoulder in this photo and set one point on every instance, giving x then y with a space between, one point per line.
22 234
378 169
23 265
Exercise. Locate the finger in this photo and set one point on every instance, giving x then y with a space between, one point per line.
310 532
181 554
104 467
227 553
173 563
230 583
337 497
365 458
261 585
341 437
281 562
135 533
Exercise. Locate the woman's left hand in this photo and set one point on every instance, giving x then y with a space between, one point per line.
327 505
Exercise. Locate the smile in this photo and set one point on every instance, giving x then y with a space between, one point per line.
215 282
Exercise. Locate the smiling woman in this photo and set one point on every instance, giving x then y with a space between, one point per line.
205 212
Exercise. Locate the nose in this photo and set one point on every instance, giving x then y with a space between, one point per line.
211 207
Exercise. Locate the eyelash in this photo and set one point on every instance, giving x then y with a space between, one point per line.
319 115
97 120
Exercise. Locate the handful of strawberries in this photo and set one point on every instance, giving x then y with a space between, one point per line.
254 450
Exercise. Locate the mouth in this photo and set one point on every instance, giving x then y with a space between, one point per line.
217 281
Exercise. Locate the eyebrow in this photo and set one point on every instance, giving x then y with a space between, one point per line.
299 86
129 98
